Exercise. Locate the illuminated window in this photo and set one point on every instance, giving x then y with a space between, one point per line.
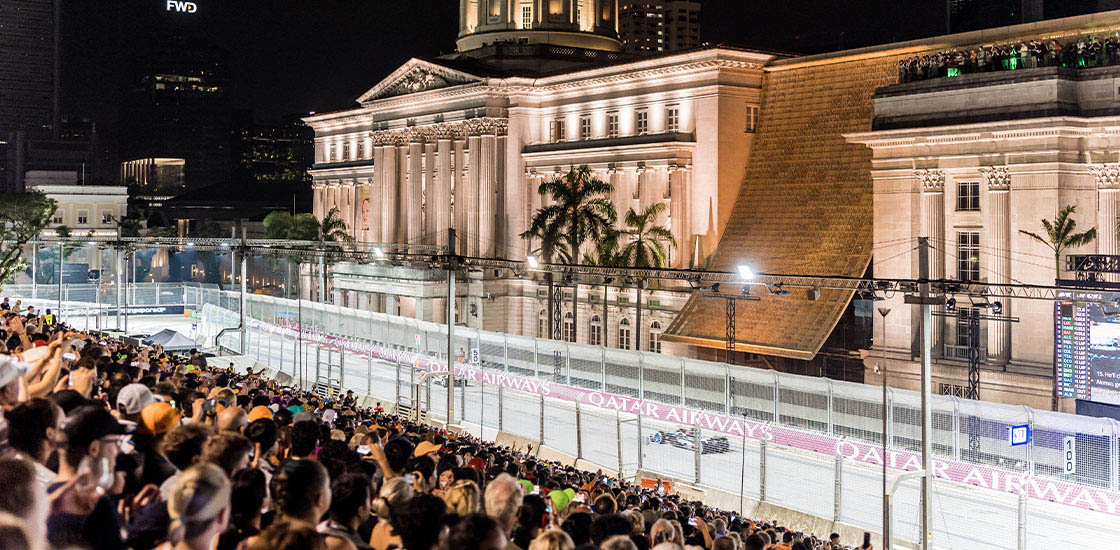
655 337
345 151
58 218
569 327
641 122
361 150
968 196
106 218
752 118
672 119
585 127
556 130
542 324
83 217
595 337
612 125
624 334
331 153
526 17
964 334
968 255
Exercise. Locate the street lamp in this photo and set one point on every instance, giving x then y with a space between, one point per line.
533 262
746 273
883 311
380 254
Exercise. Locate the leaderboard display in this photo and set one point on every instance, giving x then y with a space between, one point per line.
1087 349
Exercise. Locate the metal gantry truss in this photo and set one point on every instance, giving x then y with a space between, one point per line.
436 256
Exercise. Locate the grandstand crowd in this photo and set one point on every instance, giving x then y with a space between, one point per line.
106 445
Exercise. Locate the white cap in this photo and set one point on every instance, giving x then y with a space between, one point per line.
133 398
11 370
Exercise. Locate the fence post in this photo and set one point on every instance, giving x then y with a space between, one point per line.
828 382
505 358
777 398
536 360
640 442
727 390
641 376
568 363
603 369
697 450
1030 445
501 409
1112 458
762 470
682 383
618 432
1022 531
579 434
956 426
397 393
837 486
541 423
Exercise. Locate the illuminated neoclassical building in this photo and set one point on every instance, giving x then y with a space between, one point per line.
536 86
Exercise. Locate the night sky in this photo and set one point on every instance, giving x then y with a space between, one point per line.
294 56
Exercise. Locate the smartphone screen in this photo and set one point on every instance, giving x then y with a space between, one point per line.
363 450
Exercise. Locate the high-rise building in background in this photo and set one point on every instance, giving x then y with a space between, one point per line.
971 15
659 25
272 153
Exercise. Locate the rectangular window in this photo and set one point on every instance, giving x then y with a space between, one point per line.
106 218
968 196
526 17
361 150
964 335
556 129
641 122
672 119
83 217
968 255
332 151
585 127
752 118
345 151
612 125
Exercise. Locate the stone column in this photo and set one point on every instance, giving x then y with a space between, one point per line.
487 187
678 214
998 223
428 191
461 200
390 183
439 198
1107 177
470 194
933 226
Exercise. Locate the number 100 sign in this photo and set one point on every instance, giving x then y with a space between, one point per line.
1069 455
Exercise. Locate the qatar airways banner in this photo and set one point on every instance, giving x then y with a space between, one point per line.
996 479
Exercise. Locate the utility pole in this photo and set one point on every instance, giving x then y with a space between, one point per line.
120 272
61 264
451 266
884 311
244 329
927 386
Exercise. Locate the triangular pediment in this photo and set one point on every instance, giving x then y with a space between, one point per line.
417 76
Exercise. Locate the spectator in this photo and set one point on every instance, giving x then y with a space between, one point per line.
394 493
25 499
33 426
228 451
503 499
755 542
305 439
349 510
182 447
416 522
619 542
199 508
232 419
553 539
248 493
463 498
477 532
578 527
529 518
288 534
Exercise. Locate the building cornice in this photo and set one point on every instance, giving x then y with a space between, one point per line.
1064 127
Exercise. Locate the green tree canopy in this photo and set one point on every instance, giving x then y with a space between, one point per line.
23 217
1060 235
580 210
646 243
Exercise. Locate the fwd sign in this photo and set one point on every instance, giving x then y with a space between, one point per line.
181 7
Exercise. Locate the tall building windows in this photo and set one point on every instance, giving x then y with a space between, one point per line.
83 217
612 125
641 122
968 196
526 17
542 324
584 127
964 333
556 130
361 150
331 152
595 335
106 218
345 151
968 255
624 334
752 118
655 337
672 119
569 327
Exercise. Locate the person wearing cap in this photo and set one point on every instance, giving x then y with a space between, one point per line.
93 439
426 448
132 399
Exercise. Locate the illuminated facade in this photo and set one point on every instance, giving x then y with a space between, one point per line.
464 141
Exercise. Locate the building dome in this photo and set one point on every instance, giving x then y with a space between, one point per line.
588 24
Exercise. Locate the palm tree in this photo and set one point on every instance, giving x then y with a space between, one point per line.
332 228
580 210
647 245
1060 235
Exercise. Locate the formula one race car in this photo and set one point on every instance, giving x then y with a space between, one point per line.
685 438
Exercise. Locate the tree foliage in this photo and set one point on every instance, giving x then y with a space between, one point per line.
1059 235
646 243
23 217
579 210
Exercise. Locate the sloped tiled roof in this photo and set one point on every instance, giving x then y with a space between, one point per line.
805 208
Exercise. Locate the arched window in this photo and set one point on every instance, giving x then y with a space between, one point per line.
624 334
542 324
595 338
655 337
569 327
